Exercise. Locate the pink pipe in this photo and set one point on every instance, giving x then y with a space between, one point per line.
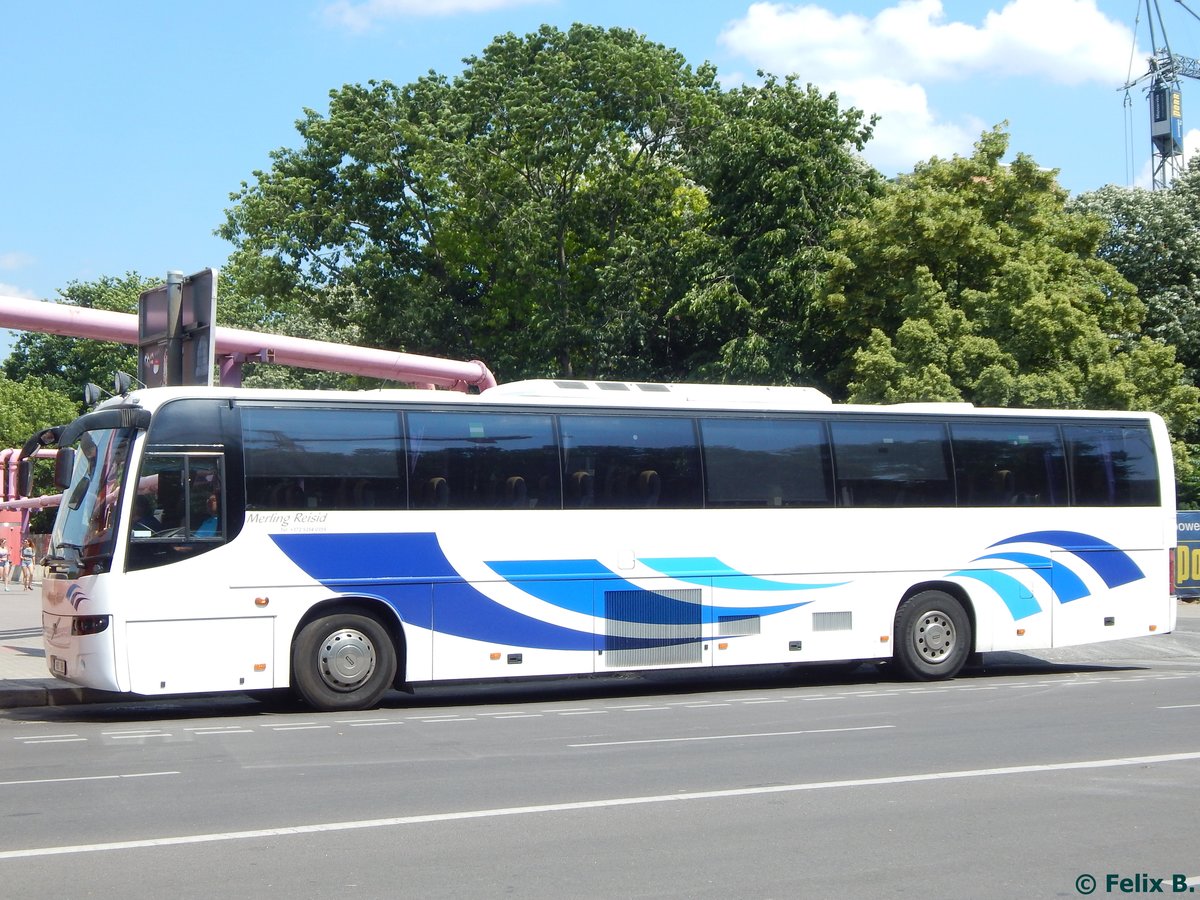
99 324
33 502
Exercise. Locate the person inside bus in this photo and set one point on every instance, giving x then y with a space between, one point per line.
143 516
211 526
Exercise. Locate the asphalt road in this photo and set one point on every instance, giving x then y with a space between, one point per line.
1021 780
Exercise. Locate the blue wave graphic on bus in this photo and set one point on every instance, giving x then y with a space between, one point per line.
567 584
1010 590
76 597
699 569
400 569
1114 567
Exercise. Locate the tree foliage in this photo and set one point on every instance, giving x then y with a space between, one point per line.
971 280
1153 239
28 406
575 203
780 169
524 212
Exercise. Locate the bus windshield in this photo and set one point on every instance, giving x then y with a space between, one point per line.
86 526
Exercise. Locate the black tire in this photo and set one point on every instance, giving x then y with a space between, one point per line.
343 662
932 635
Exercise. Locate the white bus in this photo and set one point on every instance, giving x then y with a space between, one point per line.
341 544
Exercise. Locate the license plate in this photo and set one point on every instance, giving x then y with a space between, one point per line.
58 666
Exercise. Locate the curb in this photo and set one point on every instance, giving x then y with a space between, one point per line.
16 694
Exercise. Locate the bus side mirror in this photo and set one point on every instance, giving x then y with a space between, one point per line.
25 478
64 466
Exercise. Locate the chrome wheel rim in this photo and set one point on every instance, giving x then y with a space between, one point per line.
934 636
347 659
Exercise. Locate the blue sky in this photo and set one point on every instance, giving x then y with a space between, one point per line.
126 124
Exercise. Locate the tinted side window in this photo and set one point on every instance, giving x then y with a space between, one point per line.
892 464
1009 464
1112 465
483 460
309 458
630 461
764 462
190 422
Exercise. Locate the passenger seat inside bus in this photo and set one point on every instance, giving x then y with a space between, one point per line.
435 494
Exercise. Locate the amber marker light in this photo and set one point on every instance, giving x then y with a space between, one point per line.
495 656
260 667
261 601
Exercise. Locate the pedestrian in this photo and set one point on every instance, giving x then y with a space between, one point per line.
4 563
27 555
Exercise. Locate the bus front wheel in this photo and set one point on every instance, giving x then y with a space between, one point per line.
343 662
932 635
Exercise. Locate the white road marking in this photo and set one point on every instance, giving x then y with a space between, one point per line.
432 818
728 737
42 737
139 736
86 778
62 740
298 727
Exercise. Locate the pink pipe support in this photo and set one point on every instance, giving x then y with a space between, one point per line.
10 460
407 368
8 466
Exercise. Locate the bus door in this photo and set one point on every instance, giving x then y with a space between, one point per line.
186 628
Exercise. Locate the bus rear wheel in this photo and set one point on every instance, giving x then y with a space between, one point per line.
933 636
343 662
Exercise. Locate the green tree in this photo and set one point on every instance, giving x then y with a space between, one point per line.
780 169
526 212
65 364
29 406
971 280
1153 240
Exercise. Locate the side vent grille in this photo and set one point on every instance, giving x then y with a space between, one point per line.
731 626
652 628
831 621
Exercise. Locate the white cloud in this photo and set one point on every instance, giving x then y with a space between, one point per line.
12 290
361 15
13 260
883 64
1065 41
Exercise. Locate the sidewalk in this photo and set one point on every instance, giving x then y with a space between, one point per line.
25 681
